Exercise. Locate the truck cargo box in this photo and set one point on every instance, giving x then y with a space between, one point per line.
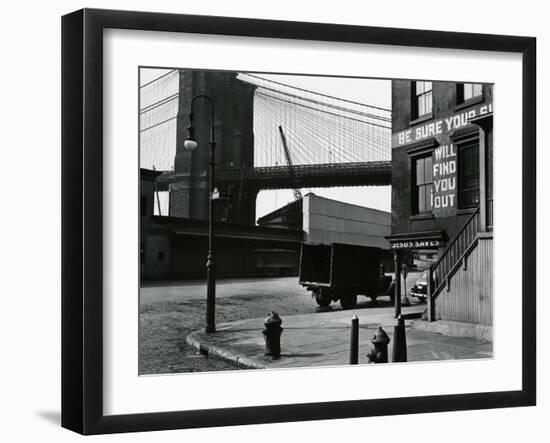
339 265
315 264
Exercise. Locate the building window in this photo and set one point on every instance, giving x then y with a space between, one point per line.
161 256
468 174
468 91
422 99
422 194
142 253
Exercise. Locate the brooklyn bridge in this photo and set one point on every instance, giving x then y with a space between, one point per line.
270 135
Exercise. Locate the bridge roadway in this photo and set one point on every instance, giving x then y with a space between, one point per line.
302 176
308 176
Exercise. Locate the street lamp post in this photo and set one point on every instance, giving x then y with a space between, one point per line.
190 145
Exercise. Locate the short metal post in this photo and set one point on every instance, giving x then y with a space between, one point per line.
405 300
397 295
354 341
399 341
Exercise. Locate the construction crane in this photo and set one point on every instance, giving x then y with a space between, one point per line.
297 193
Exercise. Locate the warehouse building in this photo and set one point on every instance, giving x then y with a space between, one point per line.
324 220
176 247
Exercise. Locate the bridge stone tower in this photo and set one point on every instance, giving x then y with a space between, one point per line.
233 123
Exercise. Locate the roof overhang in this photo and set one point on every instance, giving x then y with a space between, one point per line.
417 240
199 228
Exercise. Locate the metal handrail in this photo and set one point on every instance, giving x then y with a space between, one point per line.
453 255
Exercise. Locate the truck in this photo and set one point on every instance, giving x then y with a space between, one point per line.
339 271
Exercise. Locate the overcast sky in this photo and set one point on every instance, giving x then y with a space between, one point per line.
368 91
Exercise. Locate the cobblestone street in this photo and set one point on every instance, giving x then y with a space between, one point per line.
170 311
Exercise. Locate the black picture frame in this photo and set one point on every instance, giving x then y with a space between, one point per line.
82 254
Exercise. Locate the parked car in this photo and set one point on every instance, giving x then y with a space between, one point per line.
420 288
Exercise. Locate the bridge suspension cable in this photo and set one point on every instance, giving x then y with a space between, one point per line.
320 128
315 93
158 110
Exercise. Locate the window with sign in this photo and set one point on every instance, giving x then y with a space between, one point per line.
422 99
422 181
468 91
468 174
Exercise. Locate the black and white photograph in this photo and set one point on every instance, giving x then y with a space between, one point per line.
296 221
271 222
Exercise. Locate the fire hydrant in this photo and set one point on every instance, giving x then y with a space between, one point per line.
272 335
379 354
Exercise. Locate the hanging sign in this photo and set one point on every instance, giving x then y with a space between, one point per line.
416 244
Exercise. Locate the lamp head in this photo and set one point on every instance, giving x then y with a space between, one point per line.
190 144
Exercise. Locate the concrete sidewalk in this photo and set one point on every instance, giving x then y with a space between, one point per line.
323 339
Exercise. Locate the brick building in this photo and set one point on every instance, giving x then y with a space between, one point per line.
442 192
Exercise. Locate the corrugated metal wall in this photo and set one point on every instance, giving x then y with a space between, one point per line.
470 298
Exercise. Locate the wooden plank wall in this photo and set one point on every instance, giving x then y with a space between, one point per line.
470 297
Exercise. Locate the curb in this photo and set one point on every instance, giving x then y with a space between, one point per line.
194 339
455 329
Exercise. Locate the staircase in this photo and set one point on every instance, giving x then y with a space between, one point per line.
455 255
461 281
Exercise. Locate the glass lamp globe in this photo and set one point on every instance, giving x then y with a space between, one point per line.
190 145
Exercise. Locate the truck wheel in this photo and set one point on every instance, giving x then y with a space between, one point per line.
348 301
322 301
